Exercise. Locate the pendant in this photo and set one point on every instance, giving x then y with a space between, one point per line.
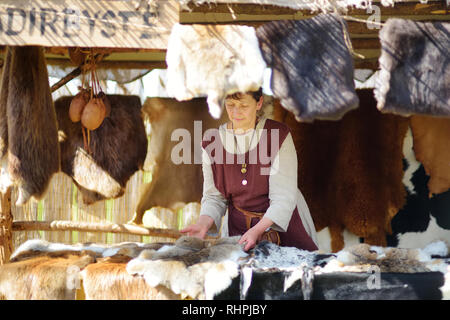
244 182
244 168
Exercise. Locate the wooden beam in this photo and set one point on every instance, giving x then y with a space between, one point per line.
59 225
353 27
6 221
108 64
406 8
366 43
63 50
72 75
366 64
256 15
76 72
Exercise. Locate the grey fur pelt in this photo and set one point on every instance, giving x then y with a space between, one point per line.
312 69
415 68
119 148
28 126
197 268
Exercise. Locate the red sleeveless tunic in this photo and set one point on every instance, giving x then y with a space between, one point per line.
254 196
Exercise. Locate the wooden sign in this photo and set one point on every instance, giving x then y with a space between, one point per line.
93 23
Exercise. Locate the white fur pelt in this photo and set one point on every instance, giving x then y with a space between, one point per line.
36 247
415 68
191 267
213 61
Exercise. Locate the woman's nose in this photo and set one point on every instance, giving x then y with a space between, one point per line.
234 111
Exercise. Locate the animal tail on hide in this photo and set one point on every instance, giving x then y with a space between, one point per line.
33 154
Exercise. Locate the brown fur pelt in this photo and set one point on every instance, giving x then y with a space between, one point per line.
350 171
118 146
108 279
3 102
184 180
387 259
33 151
431 140
52 276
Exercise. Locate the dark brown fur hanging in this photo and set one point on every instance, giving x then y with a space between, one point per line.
3 102
350 171
33 152
118 148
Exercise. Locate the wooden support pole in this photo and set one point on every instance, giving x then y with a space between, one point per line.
75 73
6 221
366 64
59 225
109 64
63 81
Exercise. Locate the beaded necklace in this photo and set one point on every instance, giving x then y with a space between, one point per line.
236 148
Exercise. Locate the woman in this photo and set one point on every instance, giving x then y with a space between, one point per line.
261 179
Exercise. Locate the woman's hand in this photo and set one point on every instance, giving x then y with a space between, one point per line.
195 230
199 229
252 236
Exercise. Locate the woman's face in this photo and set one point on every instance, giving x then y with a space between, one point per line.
242 111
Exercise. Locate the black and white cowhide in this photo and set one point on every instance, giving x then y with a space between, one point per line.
422 220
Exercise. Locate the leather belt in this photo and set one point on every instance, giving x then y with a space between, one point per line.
269 235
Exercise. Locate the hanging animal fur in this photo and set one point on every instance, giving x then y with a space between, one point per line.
33 151
118 148
5 181
3 102
312 69
415 68
212 60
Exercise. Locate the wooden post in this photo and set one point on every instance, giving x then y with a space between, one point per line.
6 221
